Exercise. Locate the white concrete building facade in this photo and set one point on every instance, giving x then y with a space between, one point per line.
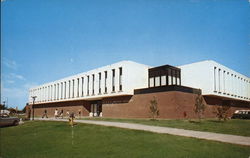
113 80
215 79
122 78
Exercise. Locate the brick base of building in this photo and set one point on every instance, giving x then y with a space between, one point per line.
171 105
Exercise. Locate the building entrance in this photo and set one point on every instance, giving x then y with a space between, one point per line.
96 109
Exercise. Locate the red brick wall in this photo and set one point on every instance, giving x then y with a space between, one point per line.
72 106
171 104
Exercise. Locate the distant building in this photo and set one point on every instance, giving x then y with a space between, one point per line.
124 89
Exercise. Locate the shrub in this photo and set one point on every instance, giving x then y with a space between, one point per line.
222 112
154 111
199 106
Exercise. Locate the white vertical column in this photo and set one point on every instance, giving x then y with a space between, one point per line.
55 86
49 93
215 84
55 90
60 89
67 89
45 94
248 88
224 82
241 87
237 86
233 84
38 95
245 90
227 83
41 94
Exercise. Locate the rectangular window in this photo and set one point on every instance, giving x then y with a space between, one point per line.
157 81
151 82
174 77
105 81
88 85
163 80
78 82
169 77
100 82
93 84
120 79
82 85
113 80
179 78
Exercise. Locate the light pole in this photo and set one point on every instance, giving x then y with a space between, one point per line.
34 98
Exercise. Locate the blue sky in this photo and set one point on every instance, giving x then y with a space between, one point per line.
45 40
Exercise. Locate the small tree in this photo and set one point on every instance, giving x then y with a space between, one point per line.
154 111
222 112
199 106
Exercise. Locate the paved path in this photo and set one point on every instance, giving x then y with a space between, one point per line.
226 138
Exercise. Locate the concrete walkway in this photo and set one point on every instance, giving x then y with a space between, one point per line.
226 138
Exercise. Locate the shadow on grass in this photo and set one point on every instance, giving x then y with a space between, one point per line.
194 121
217 121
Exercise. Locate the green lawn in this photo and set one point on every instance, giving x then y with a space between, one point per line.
41 139
234 126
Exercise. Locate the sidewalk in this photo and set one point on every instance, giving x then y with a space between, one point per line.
226 138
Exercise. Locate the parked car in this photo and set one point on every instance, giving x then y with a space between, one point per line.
6 120
241 114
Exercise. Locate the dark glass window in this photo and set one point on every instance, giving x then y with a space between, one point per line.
113 80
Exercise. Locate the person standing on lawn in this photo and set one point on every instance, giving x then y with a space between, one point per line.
45 113
56 113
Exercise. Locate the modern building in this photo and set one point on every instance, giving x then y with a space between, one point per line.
124 89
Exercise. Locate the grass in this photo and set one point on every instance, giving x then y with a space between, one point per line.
41 139
234 126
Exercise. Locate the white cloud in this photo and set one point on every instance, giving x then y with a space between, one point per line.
10 81
16 76
10 63
29 85
16 96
